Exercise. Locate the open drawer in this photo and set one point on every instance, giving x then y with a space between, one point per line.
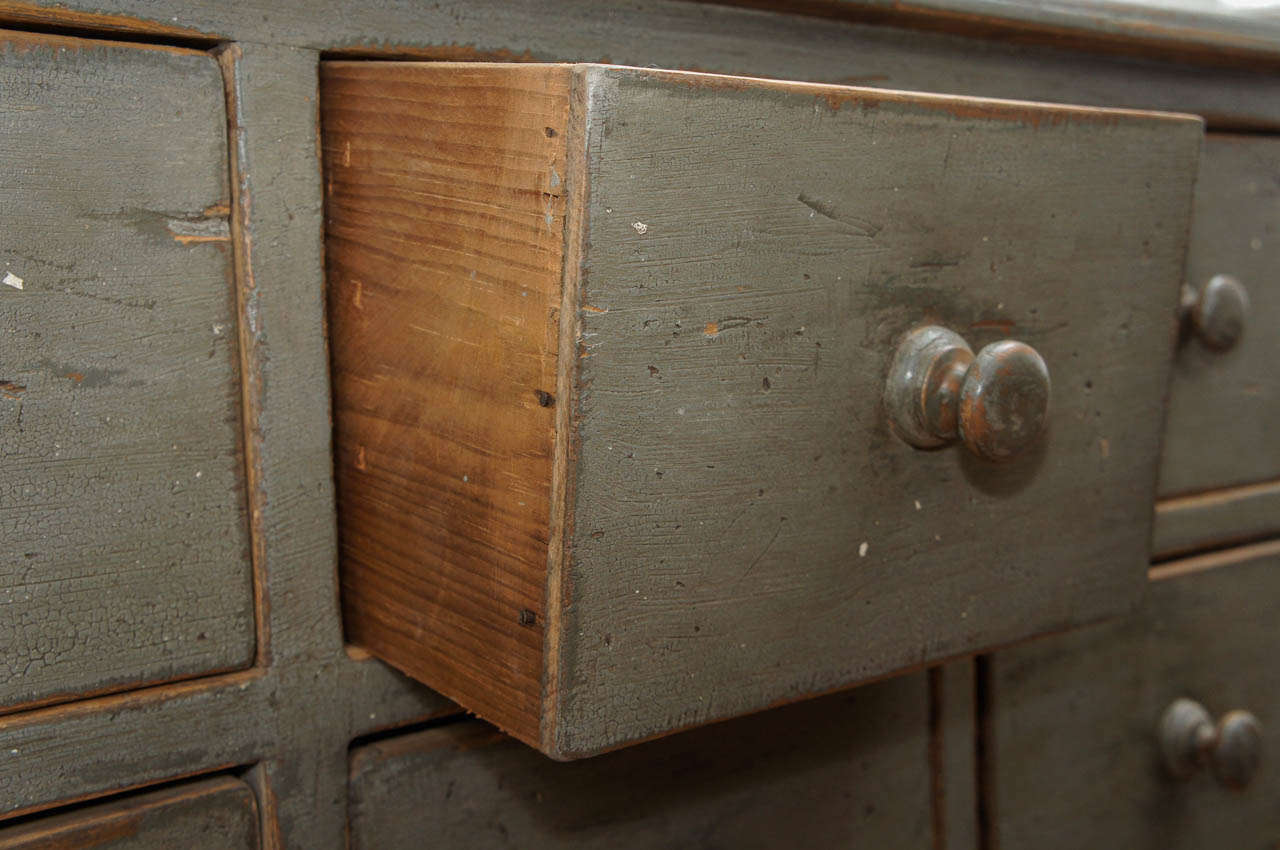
635 372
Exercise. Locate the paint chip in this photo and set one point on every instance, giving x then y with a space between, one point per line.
640 227
11 279
862 550
918 507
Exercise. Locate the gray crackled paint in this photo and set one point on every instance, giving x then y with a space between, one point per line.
122 504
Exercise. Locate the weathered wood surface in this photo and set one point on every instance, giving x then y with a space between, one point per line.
294 715
724 447
212 814
1074 748
678 34
745 524
740 298
122 501
848 770
444 280
1222 404
1215 519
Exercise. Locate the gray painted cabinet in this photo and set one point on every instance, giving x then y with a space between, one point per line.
162 205
122 497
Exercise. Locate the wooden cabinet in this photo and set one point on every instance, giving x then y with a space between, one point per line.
210 814
849 770
170 586
610 350
1075 744
122 500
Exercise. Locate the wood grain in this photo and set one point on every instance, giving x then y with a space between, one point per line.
1075 718
733 303
298 714
123 499
849 770
212 814
445 201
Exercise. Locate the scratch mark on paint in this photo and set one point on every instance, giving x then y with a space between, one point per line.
828 210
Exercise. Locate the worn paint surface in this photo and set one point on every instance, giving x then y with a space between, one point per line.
679 34
719 524
1075 717
1222 404
297 716
211 814
849 770
122 500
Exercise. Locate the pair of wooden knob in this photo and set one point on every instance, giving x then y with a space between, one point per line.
1191 741
940 392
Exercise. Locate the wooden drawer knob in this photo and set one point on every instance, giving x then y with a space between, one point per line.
1191 741
1216 313
939 392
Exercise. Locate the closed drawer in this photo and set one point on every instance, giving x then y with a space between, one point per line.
845 770
1076 719
213 814
122 499
610 355
1222 455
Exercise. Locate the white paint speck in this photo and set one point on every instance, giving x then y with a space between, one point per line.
218 329
862 550
918 507
466 480
11 279
13 752
1255 243
640 227
199 474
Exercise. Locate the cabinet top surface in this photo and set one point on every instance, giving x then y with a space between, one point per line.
1252 25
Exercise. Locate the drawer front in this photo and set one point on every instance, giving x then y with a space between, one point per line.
1222 400
849 770
213 814
122 497
702 450
1075 718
